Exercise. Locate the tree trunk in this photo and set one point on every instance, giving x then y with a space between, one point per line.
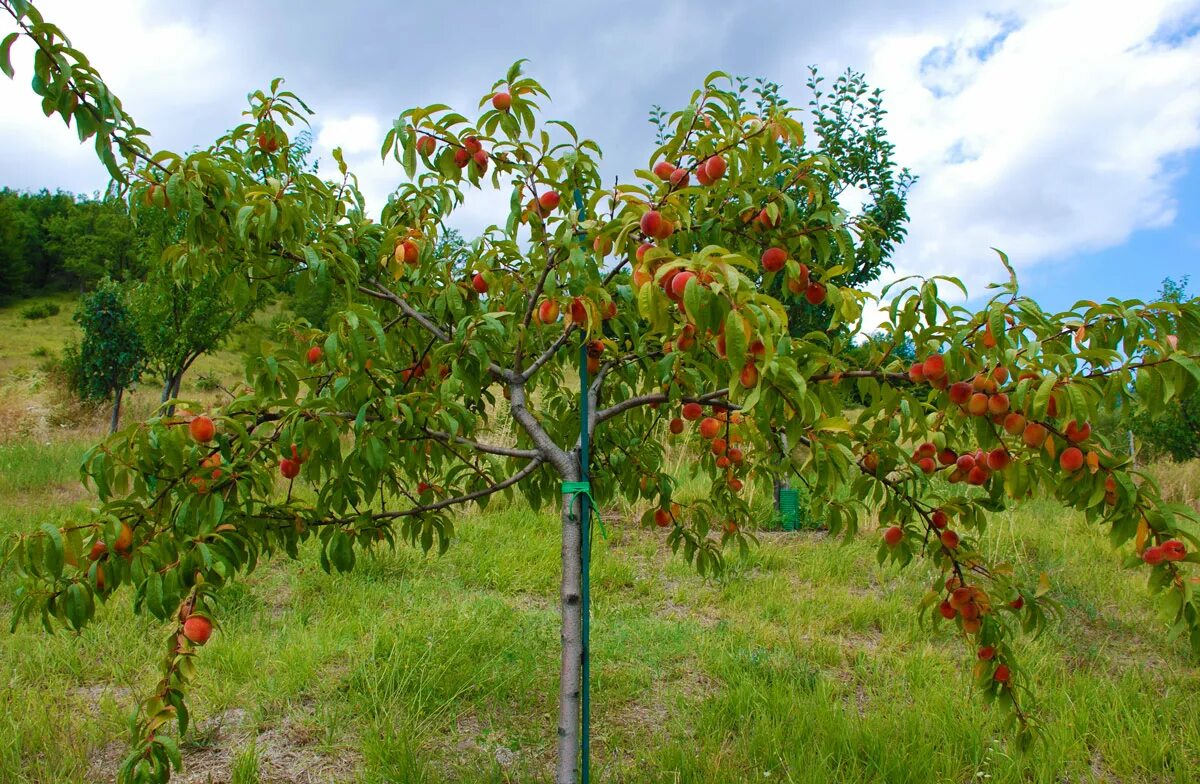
167 387
116 411
572 641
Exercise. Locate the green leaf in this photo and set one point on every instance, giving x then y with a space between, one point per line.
5 53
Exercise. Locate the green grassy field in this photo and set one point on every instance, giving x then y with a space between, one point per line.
804 663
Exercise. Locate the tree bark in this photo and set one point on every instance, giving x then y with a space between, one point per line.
570 672
116 411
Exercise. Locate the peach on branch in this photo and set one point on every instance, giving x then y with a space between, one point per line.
315 354
197 629
501 102
893 535
773 259
663 170
202 429
426 145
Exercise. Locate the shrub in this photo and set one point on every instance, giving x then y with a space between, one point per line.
39 310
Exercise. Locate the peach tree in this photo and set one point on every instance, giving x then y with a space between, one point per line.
370 433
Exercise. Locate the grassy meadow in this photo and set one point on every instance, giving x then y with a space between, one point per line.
803 663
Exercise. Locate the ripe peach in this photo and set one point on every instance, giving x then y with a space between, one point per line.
926 449
764 219
472 144
892 536
1076 432
934 366
315 355
939 518
1034 435
815 293
723 462
978 404
947 457
679 282
999 459
578 312
749 375
692 411
916 372
960 392
412 253
1014 424
289 468
426 145
99 548
735 484
479 284
1071 459
481 160
1173 549
651 223
773 259
549 200
978 475
1002 675
715 168
501 102
202 429
949 539
462 156
987 653
927 465
641 251
197 629
870 462
680 178
710 427
676 425
736 454
547 311
719 445
948 612
1017 603
602 245
1154 555
124 541
663 170
998 404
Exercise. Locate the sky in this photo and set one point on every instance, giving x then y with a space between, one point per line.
1064 132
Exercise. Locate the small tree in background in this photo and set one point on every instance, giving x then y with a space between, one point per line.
110 356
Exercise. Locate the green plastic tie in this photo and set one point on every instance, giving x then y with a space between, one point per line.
574 489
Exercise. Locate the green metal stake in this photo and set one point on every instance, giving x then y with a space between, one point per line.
585 523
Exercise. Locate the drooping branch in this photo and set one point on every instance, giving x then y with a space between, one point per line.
491 449
708 398
529 468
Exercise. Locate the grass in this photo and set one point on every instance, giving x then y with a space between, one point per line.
803 664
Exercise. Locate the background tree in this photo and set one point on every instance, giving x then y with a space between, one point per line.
1173 430
178 320
95 239
385 419
109 357
17 228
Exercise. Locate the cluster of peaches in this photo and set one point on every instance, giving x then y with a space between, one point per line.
717 430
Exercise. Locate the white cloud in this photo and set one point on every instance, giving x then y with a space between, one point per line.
354 134
168 70
1045 132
